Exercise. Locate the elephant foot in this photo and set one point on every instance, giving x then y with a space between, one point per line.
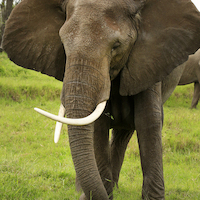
147 198
193 107
83 197
78 185
153 196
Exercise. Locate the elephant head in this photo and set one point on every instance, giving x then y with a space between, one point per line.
88 43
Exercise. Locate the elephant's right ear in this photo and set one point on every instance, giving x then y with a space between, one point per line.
31 37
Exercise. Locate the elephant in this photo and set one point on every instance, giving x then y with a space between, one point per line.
191 74
113 57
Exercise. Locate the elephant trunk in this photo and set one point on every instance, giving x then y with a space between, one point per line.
83 87
81 144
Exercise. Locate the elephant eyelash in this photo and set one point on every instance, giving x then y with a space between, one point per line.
129 35
115 46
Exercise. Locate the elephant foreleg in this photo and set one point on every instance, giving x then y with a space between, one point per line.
119 142
102 152
196 95
148 124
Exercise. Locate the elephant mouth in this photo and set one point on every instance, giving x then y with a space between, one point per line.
76 122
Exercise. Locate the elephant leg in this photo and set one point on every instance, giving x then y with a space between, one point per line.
148 124
119 142
102 152
196 95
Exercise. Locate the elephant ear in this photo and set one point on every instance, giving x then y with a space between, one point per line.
31 38
168 33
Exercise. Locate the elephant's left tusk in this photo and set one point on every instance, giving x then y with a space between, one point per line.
76 122
59 124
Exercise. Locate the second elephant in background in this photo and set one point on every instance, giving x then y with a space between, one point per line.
191 74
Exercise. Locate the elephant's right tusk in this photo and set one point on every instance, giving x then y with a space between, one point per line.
58 128
76 122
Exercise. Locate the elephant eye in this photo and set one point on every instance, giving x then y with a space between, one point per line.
116 45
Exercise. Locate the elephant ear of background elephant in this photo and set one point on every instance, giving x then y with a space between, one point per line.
166 37
31 38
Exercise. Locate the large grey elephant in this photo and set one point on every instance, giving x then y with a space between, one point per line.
191 74
112 53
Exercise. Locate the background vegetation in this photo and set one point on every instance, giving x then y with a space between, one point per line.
6 7
33 167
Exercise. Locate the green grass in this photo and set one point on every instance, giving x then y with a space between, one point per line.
33 167
19 84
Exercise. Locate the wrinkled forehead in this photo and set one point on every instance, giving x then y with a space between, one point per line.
101 5
127 7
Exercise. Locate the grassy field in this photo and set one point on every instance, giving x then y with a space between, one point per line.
33 167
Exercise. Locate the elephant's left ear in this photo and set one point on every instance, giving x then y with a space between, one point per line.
31 37
169 32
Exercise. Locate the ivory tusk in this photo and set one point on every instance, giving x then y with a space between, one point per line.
59 124
76 122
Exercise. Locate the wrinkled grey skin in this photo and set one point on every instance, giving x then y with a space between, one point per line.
121 51
191 74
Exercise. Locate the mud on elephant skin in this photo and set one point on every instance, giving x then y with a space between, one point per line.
191 74
114 51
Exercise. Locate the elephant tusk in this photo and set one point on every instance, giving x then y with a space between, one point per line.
59 124
76 122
